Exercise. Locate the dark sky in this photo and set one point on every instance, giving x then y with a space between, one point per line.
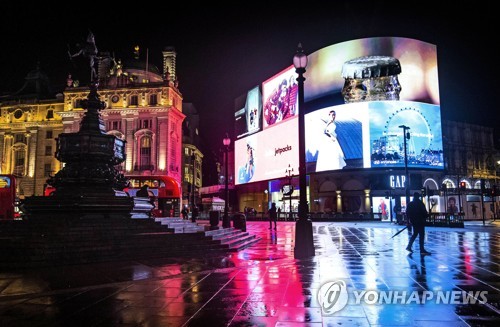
224 51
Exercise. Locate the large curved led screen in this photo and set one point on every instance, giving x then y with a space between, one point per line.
358 96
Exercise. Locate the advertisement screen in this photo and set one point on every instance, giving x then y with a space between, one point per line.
418 77
368 135
266 155
279 94
357 96
248 117
359 93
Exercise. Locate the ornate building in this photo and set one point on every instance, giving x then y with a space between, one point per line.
470 154
143 107
30 121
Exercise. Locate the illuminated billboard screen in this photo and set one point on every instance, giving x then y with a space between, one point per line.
350 126
266 155
354 110
247 119
279 94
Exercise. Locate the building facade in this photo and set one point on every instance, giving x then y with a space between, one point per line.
30 122
143 106
469 154
192 157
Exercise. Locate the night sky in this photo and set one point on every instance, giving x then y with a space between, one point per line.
223 52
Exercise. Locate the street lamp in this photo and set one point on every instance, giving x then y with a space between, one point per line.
304 245
407 179
225 219
193 159
289 175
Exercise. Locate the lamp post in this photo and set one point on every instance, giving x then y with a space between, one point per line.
407 178
289 175
304 245
193 159
225 219
495 194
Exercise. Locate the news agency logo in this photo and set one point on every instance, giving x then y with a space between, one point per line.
333 297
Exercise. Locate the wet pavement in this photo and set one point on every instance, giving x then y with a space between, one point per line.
365 278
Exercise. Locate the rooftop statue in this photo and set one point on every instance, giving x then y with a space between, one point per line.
88 50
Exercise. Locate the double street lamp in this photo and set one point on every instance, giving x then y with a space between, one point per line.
225 219
406 135
304 244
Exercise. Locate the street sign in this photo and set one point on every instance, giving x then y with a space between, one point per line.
287 189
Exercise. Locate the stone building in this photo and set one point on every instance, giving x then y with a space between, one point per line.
144 107
30 121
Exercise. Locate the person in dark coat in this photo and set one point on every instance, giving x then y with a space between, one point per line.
143 191
194 213
417 214
273 216
184 213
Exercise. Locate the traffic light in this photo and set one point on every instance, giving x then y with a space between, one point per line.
463 186
424 191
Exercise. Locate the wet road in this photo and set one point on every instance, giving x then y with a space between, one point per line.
359 270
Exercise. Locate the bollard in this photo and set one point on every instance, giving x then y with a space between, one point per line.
240 221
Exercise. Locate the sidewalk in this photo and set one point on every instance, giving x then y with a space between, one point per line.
265 286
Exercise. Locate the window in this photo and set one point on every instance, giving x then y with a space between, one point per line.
78 103
20 138
146 123
18 114
153 99
50 114
48 135
114 125
48 170
19 160
48 150
145 152
134 100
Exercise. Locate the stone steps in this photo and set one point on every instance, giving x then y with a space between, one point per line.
179 225
31 244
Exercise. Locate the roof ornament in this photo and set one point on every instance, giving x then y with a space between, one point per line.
89 50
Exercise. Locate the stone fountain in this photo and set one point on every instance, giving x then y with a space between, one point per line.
89 185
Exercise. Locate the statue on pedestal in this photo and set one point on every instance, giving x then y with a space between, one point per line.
89 50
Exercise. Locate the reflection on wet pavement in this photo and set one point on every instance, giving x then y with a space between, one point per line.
265 286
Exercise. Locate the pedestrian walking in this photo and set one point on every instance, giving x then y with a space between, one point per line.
417 215
184 213
273 216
